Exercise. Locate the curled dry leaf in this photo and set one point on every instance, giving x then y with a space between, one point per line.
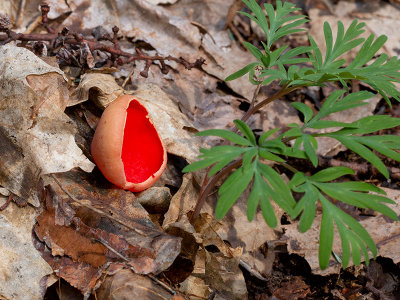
195 288
383 231
101 88
36 136
21 266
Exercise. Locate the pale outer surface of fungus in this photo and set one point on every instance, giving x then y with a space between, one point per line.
106 147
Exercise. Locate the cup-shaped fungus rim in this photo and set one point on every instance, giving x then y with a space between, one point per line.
126 146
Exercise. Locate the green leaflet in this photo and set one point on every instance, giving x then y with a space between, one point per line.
226 134
331 174
231 190
325 235
242 72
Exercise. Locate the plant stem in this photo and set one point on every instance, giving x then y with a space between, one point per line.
289 167
209 183
253 109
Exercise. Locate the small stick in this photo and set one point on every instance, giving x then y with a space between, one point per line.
152 277
5 205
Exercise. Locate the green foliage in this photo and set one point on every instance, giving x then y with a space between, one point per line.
249 154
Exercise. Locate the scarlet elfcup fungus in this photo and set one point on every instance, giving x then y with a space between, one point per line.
126 146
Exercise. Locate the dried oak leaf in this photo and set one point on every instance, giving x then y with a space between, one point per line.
36 136
21 266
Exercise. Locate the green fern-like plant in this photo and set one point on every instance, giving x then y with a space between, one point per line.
241 161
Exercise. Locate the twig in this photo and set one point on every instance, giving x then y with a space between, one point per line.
253 272
59 41
282 92
158 281
5 205
209 184
105 244
45 8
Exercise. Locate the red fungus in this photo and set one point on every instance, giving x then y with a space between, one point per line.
142 154
126 146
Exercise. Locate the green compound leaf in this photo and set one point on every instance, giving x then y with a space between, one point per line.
355 239
306 205
280 21
350 231
353 144
228 135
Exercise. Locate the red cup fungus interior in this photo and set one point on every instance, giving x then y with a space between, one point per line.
142 151
126 146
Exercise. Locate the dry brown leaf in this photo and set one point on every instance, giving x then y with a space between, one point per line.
195 288
208 226
130 230
227 58
22 268
293 289
102 88
80 275
127 285
182 202
152 24
36 136
186 87
225 277
383 231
